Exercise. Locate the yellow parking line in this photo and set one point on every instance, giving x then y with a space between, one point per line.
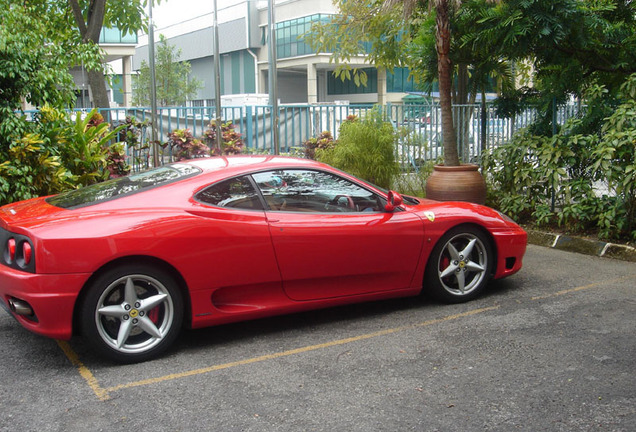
294 351
90 379
581 288
103 393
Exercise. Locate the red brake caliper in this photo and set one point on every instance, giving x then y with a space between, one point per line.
445 262
153 314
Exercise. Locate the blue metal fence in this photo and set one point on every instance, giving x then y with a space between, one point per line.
419 125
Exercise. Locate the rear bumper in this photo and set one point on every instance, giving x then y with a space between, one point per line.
51 296
511 247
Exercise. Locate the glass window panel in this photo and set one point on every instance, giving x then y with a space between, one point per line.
234 193
314 191
122 186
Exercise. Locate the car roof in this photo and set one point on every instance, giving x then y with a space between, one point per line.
246 163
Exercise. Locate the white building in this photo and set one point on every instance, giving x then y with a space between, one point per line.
303 75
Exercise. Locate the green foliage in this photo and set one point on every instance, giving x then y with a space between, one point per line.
59 153
30 171
84 21
365 148
85 148
35 63
614 159
591 178
232 143
571 46
174 85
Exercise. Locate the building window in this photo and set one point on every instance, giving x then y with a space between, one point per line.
399 81
114 35
289 40
336 86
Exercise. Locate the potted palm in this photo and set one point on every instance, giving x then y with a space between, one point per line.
451 181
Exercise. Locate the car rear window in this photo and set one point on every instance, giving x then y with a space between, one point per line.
122 186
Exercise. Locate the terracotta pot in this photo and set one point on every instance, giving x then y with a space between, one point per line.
456 183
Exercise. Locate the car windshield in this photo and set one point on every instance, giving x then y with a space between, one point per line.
122 186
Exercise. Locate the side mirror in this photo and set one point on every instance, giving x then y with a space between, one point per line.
393 200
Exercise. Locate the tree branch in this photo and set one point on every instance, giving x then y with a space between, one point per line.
79 18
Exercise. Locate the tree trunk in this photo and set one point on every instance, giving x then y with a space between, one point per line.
97 82
444 70
90 31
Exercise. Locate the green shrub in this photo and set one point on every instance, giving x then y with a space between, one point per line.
56 153
30 170
84 147
553 181
365 148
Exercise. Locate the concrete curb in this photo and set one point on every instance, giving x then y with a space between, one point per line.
581 245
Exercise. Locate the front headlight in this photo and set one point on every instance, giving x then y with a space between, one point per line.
506 217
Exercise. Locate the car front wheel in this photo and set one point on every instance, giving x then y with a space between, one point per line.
460 265
132 313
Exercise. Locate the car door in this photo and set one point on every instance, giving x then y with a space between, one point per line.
332 237
231 244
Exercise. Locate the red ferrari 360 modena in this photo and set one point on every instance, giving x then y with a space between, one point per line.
131 261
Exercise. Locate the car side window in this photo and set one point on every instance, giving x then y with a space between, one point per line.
314 191
235 193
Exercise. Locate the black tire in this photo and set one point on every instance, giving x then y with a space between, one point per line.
457 271
132 313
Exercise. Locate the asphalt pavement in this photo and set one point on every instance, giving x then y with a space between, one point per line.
549 349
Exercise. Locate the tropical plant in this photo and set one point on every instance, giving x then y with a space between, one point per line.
231 144
185 146
580 44
49 37
30 170
116 161
58 154
365 148
85 145
322 141
395 33
614 159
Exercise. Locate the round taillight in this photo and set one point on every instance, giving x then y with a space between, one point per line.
27 253
11 250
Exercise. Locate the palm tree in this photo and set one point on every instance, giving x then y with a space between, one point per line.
443 10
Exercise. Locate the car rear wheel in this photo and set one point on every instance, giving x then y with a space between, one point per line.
132 313
460 265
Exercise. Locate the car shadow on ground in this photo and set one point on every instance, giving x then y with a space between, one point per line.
333 319
296 323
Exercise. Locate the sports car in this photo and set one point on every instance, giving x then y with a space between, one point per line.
129 262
